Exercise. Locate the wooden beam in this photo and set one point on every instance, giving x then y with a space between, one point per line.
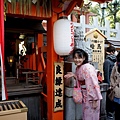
55 3
44 49
80 3
43 61
44 96
55 7
40 44
72 5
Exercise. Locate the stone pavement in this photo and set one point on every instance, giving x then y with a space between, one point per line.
110 119
105 118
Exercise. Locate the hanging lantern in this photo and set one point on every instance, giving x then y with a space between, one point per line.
63 36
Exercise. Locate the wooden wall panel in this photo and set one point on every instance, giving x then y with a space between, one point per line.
42 8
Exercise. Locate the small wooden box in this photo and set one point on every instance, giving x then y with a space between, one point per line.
13 110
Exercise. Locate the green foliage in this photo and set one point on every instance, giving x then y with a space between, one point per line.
112 12
95 10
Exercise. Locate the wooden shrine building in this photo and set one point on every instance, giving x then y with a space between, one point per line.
28 49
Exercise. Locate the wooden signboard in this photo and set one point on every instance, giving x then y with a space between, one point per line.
58 86
97 44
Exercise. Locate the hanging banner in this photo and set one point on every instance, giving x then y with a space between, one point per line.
3 81
58 86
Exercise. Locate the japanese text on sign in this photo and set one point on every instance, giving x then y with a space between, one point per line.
58 87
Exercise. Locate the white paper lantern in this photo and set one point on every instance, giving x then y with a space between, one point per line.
63 36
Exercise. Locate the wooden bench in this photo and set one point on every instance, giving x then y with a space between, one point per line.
33 76
21 77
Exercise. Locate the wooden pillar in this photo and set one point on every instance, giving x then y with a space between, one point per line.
34 59
30 62
26 64
51 58
40 44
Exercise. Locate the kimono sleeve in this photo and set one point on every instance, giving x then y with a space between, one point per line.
91 81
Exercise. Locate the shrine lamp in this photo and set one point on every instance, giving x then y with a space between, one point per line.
10 60
63 31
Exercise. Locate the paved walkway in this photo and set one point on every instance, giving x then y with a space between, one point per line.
104 118
110 119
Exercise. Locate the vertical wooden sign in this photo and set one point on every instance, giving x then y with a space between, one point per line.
58 86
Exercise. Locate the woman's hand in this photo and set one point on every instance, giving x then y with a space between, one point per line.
69 75
94 104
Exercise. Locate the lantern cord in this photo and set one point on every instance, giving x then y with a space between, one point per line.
60 58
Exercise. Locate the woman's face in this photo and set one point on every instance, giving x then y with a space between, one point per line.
78 60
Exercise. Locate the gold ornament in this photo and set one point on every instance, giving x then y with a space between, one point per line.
95 35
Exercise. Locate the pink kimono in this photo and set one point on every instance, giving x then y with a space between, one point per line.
91 91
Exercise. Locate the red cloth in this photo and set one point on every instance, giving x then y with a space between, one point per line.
99 77
4 90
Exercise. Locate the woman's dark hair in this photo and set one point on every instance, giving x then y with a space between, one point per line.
110 49
81 53
118 61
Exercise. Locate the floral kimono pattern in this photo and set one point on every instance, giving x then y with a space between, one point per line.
91 91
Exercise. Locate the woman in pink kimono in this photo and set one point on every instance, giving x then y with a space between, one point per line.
87 77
